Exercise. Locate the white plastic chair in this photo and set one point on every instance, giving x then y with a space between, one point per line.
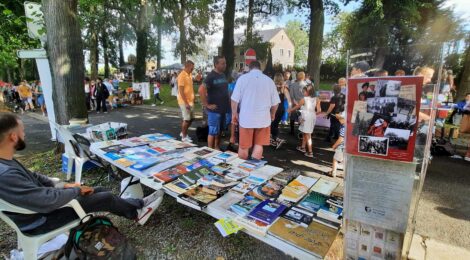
31 243
74 155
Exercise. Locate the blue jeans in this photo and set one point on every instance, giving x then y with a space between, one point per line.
217 122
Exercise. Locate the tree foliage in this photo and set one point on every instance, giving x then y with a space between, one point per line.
299 36
13 37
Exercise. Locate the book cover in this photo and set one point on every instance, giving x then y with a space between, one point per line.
252 225
271 189
203 152
144 164
133 142
267 211
324 213
326 222
214 190
297 188
243 207
226 156
224 203
114 148
243 187
286 176
113 156
124 162
196 194
324 186
316 238
223 182
178 186
299 216
257 180
313 202
168 175
235 175
227 226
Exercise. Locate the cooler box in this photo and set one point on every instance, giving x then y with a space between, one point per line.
88 165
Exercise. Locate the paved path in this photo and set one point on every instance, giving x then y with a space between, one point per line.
443 213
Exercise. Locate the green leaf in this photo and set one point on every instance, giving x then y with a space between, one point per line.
7 12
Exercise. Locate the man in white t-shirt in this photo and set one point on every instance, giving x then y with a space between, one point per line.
258 99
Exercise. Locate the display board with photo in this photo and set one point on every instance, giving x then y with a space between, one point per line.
382 116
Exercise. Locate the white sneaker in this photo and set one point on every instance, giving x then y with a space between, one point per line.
186 139
181 134
467 159
151 203
161 103
153 105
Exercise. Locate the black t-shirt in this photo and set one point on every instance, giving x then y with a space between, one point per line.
217 91
339 100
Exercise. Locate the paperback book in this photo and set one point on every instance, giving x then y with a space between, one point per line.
270 190
170 174
313 202
324 186
316 238
197 198
286 176
297 188
299 216
124 162
267 211
178 186
243 207
243 187
226 156
252 226
251 165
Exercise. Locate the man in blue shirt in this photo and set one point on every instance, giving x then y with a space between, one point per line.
216 100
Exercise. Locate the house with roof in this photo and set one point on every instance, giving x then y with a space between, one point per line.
282 48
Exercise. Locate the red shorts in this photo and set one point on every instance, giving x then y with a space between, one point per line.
254 136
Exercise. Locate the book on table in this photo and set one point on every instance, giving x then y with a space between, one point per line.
252 226
215 190
267 211
170 174
286 176
324 186
243 187
178 186
244 206
193 176
313 202
225 156
297 188
196 198
315 239
251 165
124 162
269 190
235 175
299 216
144 164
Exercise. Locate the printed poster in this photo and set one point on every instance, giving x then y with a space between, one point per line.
379 192
382 117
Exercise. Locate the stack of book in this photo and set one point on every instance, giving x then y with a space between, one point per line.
269 190
297 189
245 206
267 211
251 165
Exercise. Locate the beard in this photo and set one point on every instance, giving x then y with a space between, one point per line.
20 145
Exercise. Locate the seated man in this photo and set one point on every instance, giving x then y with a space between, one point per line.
38 193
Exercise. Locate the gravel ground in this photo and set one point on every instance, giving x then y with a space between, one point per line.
444 208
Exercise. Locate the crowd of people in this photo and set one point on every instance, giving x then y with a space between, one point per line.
24 96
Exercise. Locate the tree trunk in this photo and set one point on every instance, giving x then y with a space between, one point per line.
65 54
104 43
142 43
464 86
228 44
159 33
249 21
182 29
120 43
94 55
317 21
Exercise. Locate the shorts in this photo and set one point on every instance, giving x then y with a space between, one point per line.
339 155
254 136
217 122
186 114
27 100
40 100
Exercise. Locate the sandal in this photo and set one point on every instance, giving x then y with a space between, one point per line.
309 155
299 148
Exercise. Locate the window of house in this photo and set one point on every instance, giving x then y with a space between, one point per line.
242 53
241 65
236 65
288 53
281 51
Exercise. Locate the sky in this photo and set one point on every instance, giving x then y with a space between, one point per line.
461 7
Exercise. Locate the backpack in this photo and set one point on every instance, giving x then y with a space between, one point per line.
97 238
